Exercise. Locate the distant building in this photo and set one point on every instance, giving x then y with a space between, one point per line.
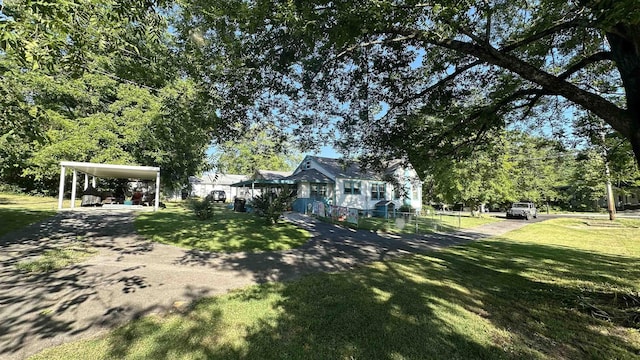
203 185
344 184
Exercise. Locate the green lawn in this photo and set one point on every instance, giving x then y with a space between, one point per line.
228 231
425 224
17 211
55 259
561 289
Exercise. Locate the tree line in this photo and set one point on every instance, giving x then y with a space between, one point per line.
522 167
438 83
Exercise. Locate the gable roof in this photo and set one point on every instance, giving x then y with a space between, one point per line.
342 168
350 169
310 175
270 174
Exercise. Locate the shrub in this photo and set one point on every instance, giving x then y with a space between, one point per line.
272 205
202 209
405 209
8 188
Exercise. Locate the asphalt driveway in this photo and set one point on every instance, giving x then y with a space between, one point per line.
130 277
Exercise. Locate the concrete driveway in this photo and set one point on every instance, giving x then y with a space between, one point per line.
130 277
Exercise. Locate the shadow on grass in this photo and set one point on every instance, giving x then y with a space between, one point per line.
41 305
484 300
228 231
172 338
14 219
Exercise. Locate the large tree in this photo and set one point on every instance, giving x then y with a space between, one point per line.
515 167
431 78
100 81
253 150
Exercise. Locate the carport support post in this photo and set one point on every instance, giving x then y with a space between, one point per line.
61 190
93 181
73 188
156 203
86 181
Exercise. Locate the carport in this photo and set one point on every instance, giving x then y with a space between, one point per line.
106 171
263 184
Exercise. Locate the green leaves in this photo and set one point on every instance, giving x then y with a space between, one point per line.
257 148
96 81
514 167
271 205
369 68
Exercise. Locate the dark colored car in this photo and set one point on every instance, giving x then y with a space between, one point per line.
217 196
525 210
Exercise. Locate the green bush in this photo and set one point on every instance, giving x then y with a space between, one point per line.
202 209
8 188
406 209
272 205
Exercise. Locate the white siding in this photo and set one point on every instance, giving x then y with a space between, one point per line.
364 200
304 190
360 201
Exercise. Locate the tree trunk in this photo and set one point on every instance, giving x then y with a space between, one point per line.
625 48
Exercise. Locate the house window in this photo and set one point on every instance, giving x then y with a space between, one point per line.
352 187
318 190
378 191
396 192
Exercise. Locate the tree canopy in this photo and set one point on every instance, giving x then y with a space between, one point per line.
157 82
517 167
254 150
98 81
432 79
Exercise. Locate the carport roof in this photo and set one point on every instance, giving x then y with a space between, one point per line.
114 171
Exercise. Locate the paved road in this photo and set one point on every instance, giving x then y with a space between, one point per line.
130 277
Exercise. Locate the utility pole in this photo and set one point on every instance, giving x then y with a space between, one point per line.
611 206
610 201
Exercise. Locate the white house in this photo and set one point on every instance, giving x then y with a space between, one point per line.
203 185
345 184
334 182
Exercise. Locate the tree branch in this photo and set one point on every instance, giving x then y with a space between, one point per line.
349 49
603 55
439 83
615 116
542 34
487 31
591 59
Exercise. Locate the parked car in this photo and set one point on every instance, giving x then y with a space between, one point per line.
217 196
526 210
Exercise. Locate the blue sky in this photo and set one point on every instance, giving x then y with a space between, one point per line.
328 151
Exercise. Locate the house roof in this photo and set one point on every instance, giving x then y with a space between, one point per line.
344 168
223 179
271 175
350 169
261 183
310 175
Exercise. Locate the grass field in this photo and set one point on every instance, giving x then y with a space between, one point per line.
424 224
55 259
561 289
228 231
17 211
